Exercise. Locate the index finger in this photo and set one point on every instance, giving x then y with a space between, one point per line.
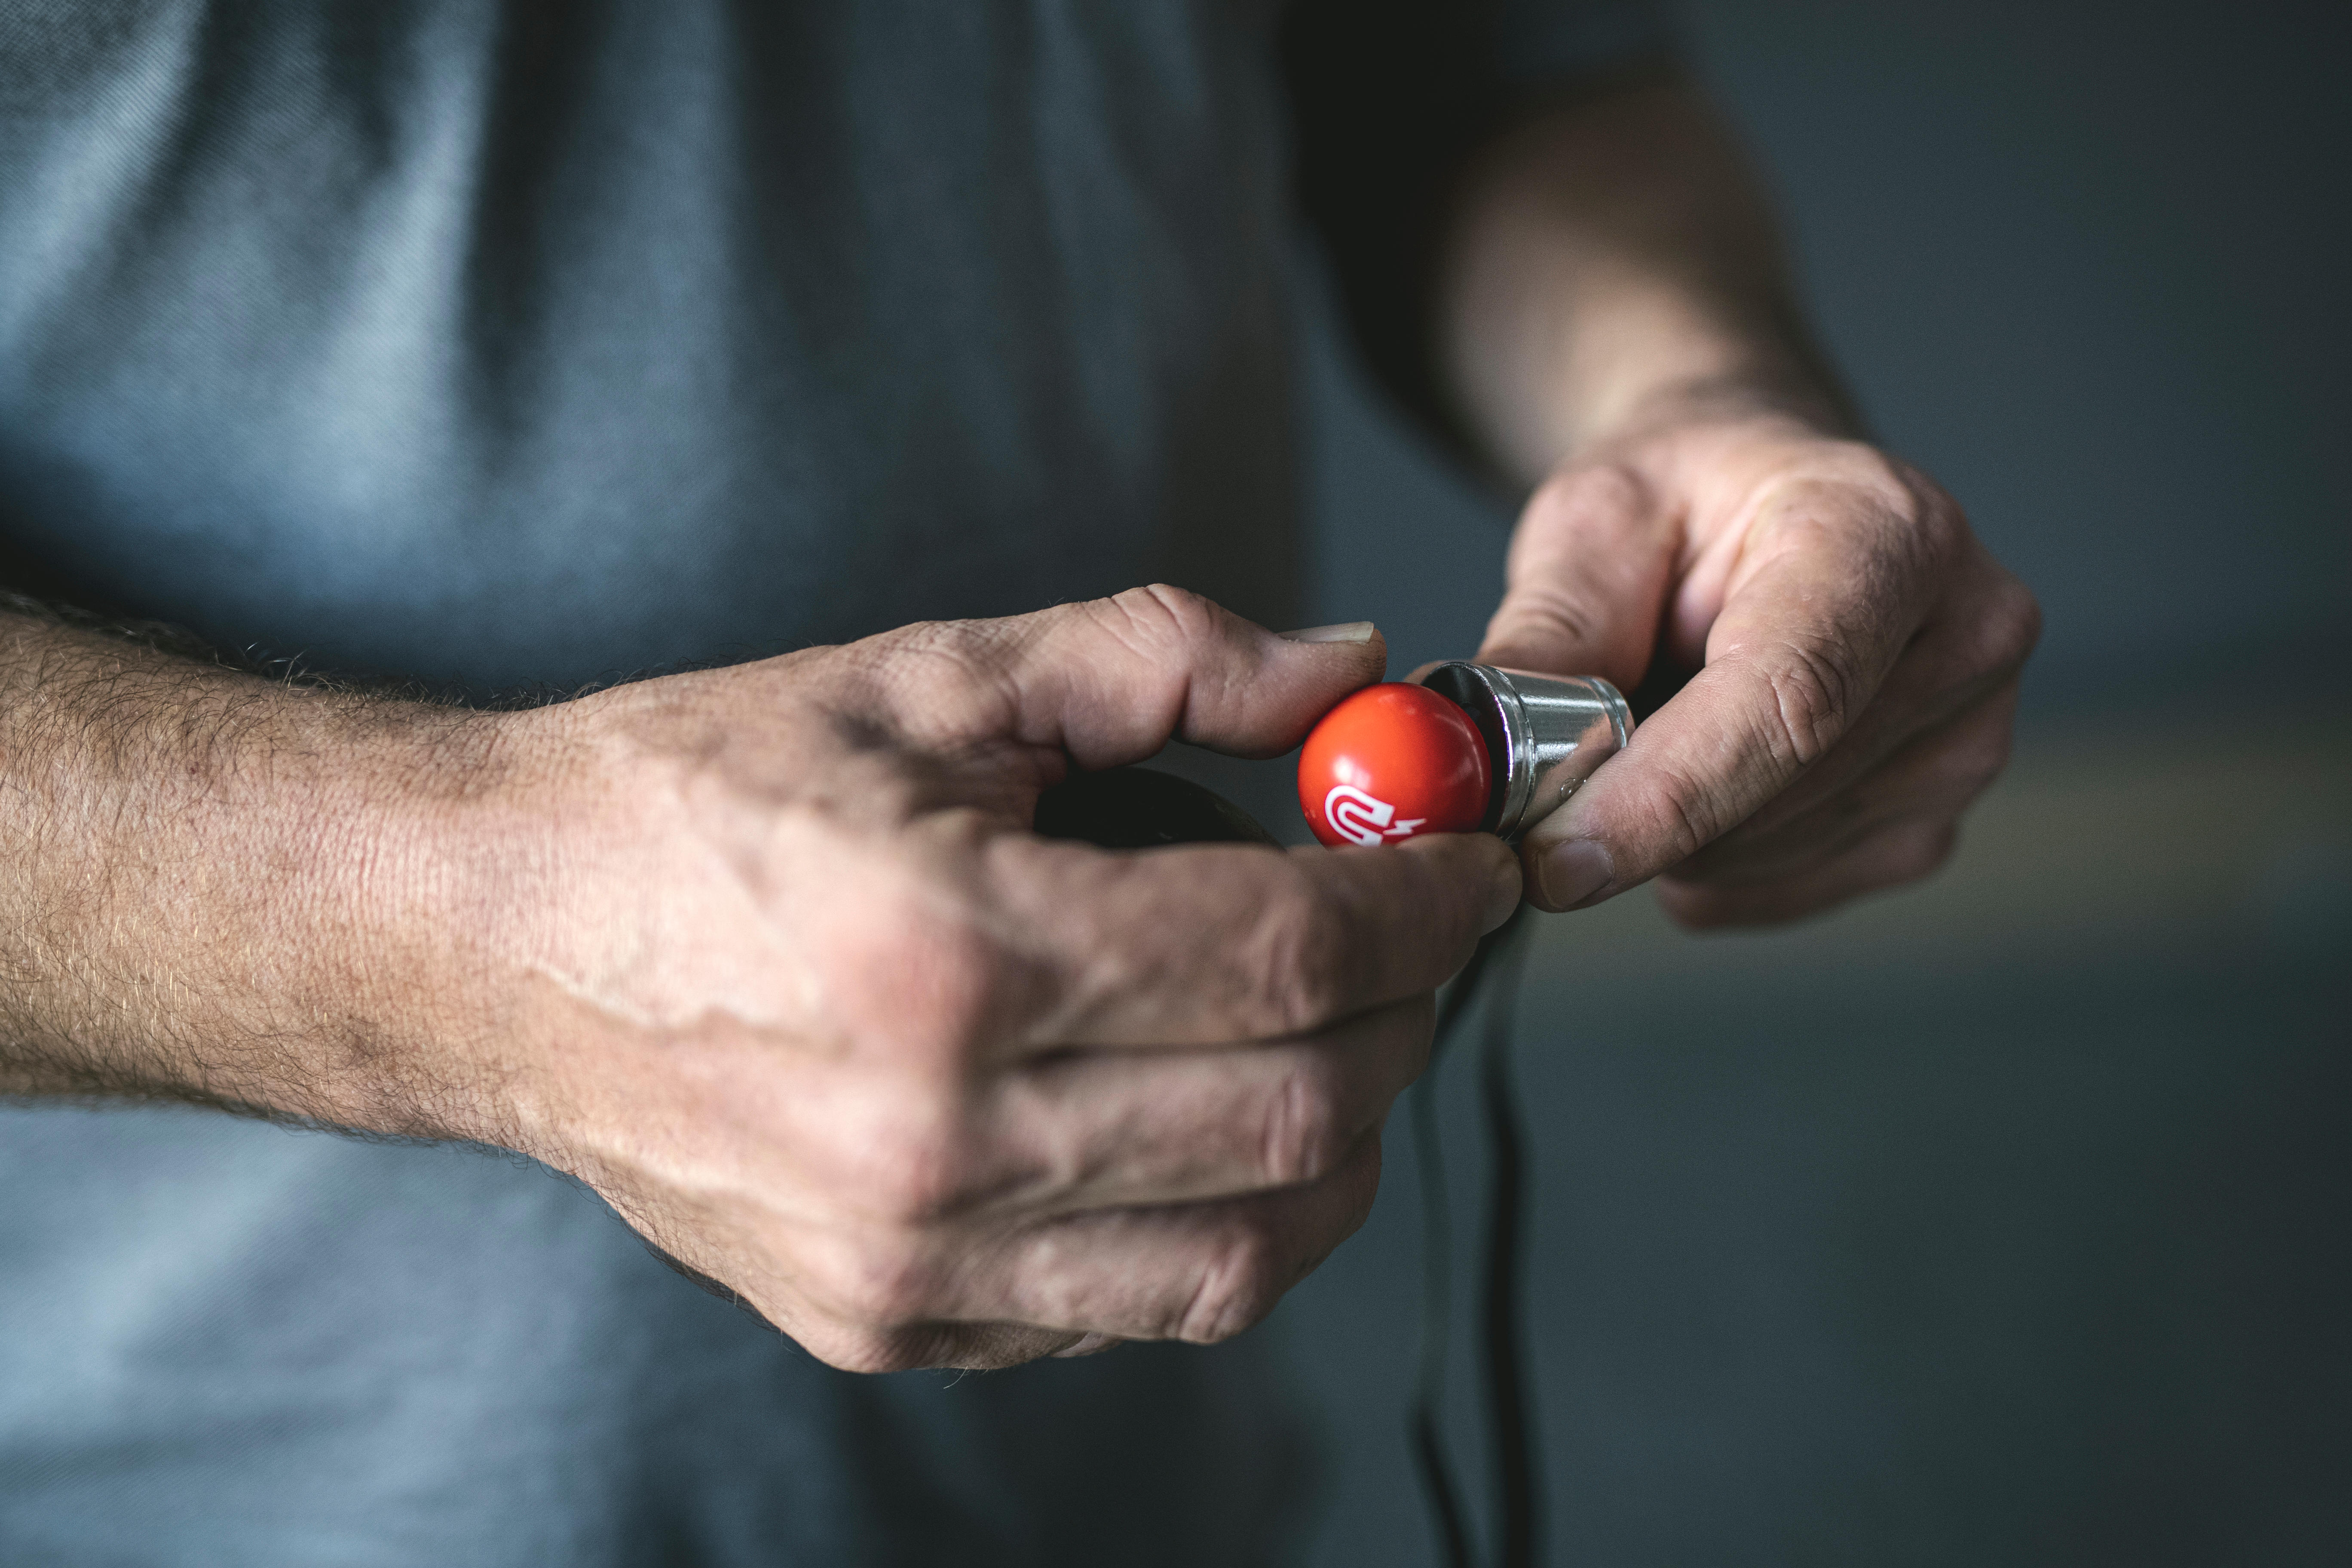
1211 944
1111 681
1834 589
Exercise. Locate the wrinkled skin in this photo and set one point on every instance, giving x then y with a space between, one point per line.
790 983
1857 654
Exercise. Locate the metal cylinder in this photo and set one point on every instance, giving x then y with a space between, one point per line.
1545 733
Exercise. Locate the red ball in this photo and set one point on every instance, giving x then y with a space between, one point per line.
1391 762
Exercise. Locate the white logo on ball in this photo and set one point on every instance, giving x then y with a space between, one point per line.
1363 819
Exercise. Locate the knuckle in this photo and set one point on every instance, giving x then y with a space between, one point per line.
917 1002
2012 624
1546 613
1813 701
914 1172
865 1350
1901 491
879 1281
959 664
1914 529
1363 1189
1929 852
1604 491
1239 1285
930 982
947 991
1694 906
902 1154
1618 486
1677 811
1900 858
1304 1135
1942 523
1295 964
1161 611
1975 766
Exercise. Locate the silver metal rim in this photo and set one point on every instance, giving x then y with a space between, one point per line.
1518 756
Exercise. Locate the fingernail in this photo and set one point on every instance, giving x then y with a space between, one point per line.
1571 871
1345 631
1503 897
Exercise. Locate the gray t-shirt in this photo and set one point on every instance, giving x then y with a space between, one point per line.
496 344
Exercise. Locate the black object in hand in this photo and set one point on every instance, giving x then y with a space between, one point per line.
1138 808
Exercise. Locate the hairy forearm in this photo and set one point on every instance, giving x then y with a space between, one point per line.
199 873
1613 255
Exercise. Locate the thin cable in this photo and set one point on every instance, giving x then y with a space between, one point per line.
1508 1414
1431 1466
1436 1476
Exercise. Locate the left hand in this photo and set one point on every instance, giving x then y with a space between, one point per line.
1857 653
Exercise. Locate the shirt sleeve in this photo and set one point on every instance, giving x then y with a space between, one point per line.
1389 99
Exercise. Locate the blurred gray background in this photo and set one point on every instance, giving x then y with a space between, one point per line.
2005 1220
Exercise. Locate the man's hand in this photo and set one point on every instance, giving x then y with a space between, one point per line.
766 955
1622 336
1857 655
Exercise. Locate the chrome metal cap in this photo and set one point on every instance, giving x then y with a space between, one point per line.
1545 733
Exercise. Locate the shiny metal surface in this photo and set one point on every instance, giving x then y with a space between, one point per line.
1546 733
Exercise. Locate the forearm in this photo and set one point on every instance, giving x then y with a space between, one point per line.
1610 257
197 877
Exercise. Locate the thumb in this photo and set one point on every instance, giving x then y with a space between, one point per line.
1587 579
1113 680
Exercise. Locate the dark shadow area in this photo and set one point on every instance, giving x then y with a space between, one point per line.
2004 1220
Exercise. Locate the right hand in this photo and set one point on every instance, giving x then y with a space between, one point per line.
769 957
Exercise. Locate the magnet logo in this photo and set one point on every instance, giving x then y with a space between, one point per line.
1363 818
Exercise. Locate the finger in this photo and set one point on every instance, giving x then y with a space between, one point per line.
1201 1272
1209 944
1587 578
1111 681
1838 582
1095 1129
1971 647
1937 775
1898 853
887 1298
989 1347
983 1347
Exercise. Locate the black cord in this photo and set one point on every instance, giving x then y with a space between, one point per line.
1137 808
1437 1488
1512 1444
1493 970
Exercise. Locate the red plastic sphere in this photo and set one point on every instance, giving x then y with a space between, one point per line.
1390 762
